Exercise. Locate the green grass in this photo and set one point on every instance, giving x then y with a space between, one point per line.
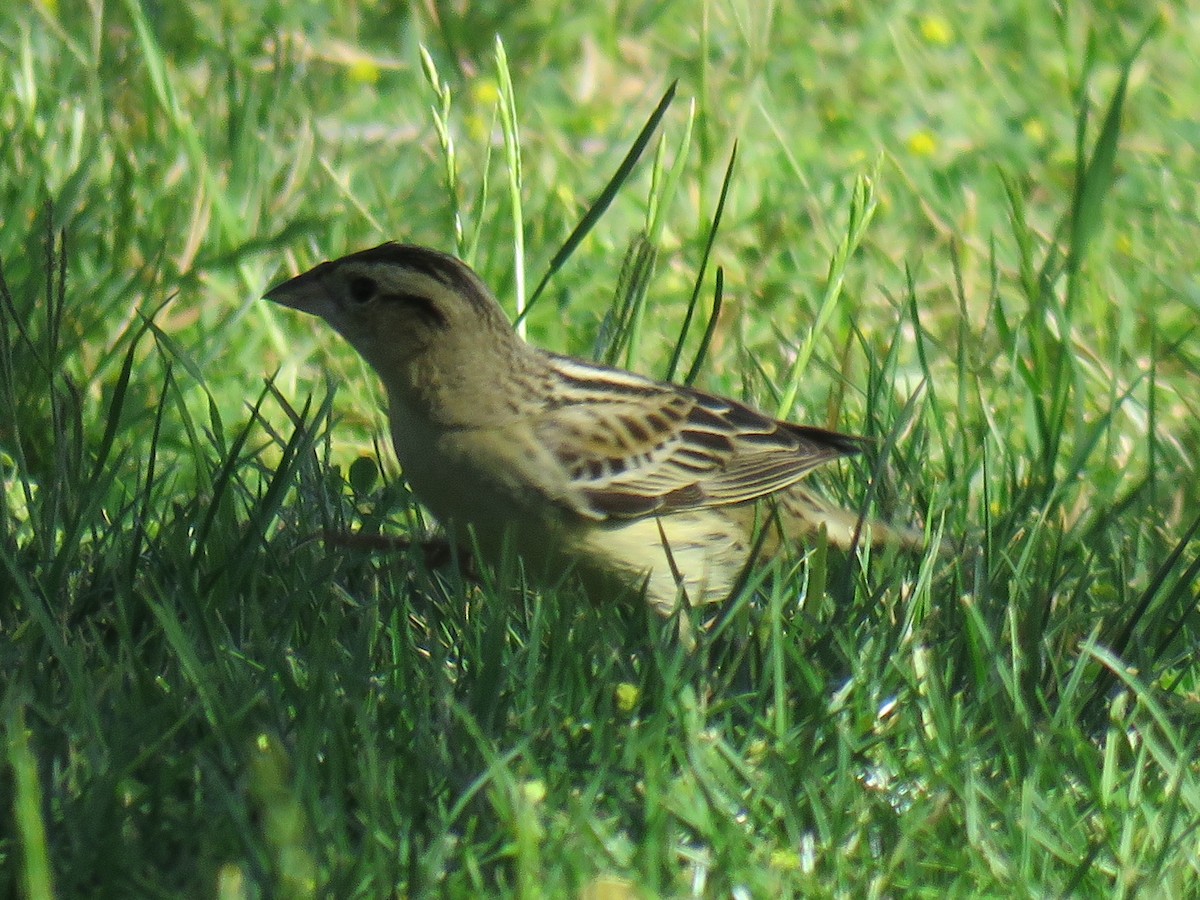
967 233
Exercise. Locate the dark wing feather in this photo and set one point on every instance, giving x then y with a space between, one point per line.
634 447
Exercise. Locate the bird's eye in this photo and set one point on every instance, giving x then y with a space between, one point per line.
362 288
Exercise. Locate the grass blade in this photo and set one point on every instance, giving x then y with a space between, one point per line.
602 202
708 247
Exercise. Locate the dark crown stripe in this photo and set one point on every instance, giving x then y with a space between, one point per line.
443 268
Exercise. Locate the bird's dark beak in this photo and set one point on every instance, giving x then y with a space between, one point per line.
306 292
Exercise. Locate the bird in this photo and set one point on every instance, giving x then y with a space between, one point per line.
641 486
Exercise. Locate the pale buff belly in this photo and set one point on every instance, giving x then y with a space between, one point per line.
700 553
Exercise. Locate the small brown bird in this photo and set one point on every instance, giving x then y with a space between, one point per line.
639 484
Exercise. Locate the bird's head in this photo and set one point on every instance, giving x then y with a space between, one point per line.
423 320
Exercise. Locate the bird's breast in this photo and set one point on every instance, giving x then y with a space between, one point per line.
489 478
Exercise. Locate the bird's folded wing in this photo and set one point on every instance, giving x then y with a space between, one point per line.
641 448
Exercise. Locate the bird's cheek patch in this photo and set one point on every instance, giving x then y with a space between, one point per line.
424 307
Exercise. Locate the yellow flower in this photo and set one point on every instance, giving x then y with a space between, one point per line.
936 30
533 791
627 696
363 70
785 860
1035 130
485 91
922 143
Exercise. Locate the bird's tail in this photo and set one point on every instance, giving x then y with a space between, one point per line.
802 513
